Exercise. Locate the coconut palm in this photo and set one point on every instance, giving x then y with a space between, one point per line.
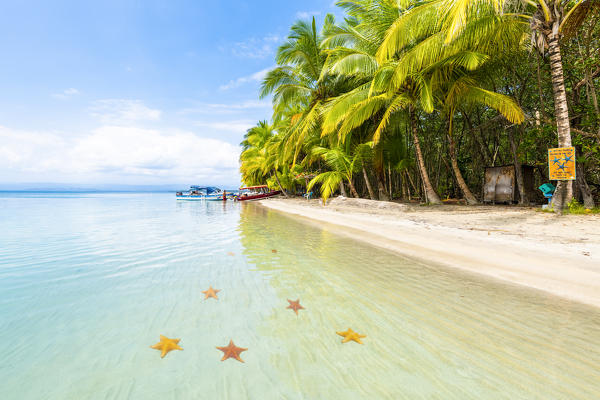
299 81
261 155
357 42
342 166
549 20
444 72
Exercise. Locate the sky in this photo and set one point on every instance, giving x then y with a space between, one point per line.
136 92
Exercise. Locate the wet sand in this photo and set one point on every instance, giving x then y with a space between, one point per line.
556 254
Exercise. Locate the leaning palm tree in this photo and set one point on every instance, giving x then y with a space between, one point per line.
549 20
417 58
464 89
342 167
356 45
299 81
260 156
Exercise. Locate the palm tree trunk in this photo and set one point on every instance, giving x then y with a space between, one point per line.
586 193
381 187
390 181
564 189
469 197
430 194
343 190
369 188
279 183
523 200
353 189
411 184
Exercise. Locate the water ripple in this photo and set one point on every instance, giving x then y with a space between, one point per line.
89 282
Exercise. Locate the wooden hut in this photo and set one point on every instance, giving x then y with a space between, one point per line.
500 184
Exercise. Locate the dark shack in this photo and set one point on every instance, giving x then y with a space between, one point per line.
500 184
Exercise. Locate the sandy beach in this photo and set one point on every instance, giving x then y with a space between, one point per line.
556 254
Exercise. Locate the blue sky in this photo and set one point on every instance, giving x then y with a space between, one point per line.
125 92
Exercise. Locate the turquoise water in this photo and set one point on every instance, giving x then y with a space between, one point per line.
89 281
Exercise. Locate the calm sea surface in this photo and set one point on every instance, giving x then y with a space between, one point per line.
89 281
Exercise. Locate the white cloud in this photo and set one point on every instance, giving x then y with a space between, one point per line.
117 154
239 126
307 14
66 94
255 77
118 111
221 108
254 47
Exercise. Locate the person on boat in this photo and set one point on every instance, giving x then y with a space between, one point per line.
224 195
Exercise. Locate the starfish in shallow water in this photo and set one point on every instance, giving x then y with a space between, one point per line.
273 251
211 293
351 335
295 305
231 351
166 345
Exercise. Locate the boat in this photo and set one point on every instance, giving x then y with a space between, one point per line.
207 193
256 193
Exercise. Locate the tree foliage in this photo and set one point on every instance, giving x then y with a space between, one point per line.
413 99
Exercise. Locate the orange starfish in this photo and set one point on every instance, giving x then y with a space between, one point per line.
295 305
230 351
166 345
351 335
211 293
273 251
231 253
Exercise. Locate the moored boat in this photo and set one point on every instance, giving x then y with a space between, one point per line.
207 193
256 193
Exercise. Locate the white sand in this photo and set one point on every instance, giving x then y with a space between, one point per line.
560 255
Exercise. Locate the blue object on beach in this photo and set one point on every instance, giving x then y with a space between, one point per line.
548 191
308 195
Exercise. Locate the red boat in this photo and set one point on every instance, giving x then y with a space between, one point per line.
256 193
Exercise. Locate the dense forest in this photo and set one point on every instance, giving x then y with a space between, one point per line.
412 100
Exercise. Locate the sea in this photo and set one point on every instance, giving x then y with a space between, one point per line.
89 281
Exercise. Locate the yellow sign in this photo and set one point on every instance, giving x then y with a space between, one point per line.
562 163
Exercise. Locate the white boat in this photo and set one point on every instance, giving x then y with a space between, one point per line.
206 193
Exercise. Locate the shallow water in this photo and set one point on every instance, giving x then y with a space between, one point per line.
89 281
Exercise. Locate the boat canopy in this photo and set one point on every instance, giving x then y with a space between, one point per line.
207 189
255 187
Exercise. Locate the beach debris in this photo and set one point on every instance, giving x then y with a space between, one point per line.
273 251
166 345
211 293
351 335
585 253
295 305
231 351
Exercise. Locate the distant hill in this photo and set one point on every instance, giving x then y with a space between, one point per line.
76 187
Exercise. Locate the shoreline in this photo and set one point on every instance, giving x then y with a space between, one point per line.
557 255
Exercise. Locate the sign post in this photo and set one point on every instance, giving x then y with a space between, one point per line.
561 163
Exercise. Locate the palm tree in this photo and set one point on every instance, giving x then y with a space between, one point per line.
549 20
299 82
444 72
363 156
369 102
465 89
260 156
342 167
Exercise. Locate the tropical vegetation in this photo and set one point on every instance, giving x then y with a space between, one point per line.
411 100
